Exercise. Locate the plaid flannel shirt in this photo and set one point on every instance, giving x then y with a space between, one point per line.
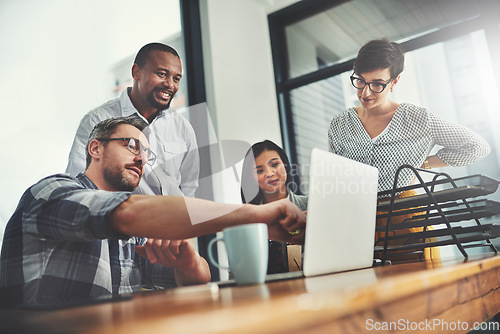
58 246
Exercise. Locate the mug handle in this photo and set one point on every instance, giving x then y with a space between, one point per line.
211 256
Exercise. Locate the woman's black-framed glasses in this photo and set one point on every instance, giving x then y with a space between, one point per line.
135 147
376 87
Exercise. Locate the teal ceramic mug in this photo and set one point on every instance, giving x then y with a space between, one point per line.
247 251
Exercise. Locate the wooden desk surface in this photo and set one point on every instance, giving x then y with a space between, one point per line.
449 295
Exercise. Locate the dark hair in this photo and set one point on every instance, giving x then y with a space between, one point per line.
250 191
106 128
380 53
142 56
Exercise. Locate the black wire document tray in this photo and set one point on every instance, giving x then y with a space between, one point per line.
466 187
455 212
435 214
464 234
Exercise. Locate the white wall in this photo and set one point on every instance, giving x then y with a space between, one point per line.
241 95
56 60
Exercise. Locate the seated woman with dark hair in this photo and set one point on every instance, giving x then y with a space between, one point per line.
266 177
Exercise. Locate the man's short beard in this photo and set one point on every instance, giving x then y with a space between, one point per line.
118 181
155 104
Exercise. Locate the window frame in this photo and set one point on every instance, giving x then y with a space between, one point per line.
196 93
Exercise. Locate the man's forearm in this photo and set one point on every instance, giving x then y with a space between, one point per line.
169 217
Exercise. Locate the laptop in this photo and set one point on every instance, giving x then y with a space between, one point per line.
341 214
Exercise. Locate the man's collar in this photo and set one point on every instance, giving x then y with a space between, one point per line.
85 181
126 105
128 108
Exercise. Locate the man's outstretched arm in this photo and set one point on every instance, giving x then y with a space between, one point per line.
175 218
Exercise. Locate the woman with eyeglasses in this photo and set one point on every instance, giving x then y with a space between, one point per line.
387 134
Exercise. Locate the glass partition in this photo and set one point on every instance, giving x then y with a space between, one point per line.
335 35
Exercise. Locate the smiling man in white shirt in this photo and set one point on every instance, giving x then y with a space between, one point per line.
156 72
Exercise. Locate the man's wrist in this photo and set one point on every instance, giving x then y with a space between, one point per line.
251 214
187 273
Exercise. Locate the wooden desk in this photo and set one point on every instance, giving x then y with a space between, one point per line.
456 292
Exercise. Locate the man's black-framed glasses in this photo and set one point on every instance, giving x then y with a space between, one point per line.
376 87
135 147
